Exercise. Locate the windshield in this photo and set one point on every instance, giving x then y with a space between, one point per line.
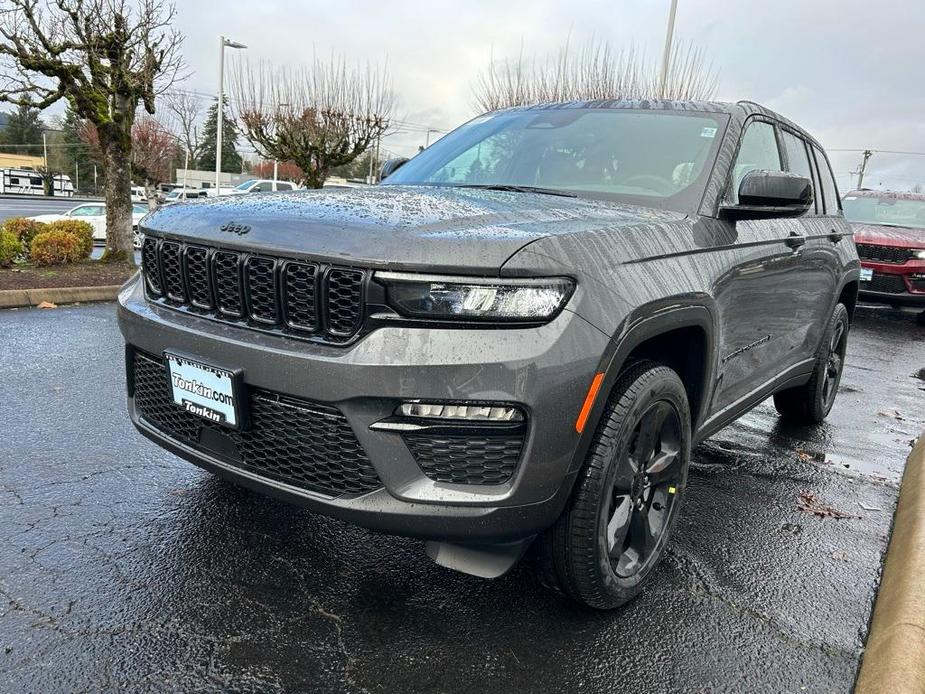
655 158
886 210
173 195
246 185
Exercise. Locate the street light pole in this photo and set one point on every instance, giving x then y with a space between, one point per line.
666 53
863 167
219 115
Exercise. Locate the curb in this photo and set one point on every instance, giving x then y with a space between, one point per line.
894 657
18 298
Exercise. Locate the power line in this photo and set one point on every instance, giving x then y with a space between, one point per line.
876 151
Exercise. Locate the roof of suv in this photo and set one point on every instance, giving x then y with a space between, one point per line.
739 110
888 194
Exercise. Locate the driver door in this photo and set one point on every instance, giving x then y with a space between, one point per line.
762 300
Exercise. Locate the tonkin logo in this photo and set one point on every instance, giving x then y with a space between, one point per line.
235 228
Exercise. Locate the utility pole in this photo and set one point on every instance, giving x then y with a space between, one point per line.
51 190
220 113
185 166
427 139
863 167
666 53
275 170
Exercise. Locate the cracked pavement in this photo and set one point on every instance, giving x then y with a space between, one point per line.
125 568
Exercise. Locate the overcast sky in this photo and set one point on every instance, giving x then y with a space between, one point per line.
850 72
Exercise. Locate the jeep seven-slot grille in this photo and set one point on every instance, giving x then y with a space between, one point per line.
303 443
883 254
310 300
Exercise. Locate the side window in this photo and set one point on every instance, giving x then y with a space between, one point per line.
757 151
283 186
262 187
829 189
798 160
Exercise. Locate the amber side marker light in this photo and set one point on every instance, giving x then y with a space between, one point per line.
589 402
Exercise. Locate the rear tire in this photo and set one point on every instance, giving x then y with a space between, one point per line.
812 402
627 497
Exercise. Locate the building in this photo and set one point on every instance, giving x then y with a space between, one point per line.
20 161
193 178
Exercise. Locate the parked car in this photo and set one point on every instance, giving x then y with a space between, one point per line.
139 194
889 230
517 338
184 194
263 185
94 213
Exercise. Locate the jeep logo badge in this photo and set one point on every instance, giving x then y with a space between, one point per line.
234 228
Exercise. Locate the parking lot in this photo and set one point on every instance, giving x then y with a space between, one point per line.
125 567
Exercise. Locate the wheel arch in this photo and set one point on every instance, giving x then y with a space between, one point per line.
848 295
677 334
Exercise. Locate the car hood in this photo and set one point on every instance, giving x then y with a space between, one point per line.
399 227
884 235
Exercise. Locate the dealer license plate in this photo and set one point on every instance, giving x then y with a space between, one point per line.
203 390
866 274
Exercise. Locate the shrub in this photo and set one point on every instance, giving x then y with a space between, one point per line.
82 230
10 247
56 248
24 229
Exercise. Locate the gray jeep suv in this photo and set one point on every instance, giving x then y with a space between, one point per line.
515 340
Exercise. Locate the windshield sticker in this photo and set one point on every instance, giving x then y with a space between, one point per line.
708 132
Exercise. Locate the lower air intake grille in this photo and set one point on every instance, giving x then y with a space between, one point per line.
889 284
299 442
466 458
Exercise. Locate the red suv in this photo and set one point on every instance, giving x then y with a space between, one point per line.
889 230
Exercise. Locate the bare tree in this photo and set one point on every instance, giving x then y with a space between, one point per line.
184 116
321 116
593 70
105 57
154 149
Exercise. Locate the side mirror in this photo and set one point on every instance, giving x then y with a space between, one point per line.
771 194
391 166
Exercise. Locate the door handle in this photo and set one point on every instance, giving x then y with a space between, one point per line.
795 240
835 237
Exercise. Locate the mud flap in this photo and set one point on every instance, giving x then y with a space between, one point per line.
484 561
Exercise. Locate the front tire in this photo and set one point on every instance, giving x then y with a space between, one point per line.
628 494
812 402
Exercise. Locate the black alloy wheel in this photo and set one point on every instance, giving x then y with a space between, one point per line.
626 499
644 490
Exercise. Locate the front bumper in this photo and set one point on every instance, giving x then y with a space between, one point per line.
895 284
544 370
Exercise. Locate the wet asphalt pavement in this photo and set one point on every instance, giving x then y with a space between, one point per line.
125 568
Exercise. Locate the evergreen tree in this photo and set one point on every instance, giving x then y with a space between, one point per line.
23 127
73 156
231 160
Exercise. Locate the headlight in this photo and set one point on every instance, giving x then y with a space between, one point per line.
464 298
920 254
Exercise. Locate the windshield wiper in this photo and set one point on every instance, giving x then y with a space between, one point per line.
517 189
